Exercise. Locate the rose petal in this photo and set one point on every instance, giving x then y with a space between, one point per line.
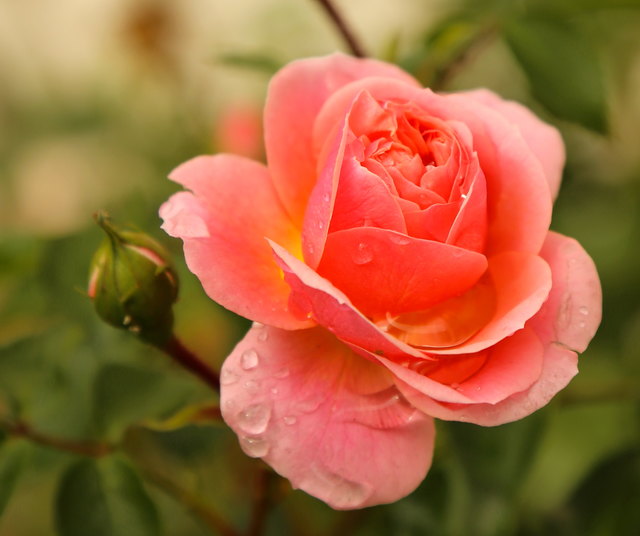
382 271
558 367
518 196
224 235
522 283
328 420
296 94
573 311
316 297
543 139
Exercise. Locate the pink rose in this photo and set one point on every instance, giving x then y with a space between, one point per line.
396 257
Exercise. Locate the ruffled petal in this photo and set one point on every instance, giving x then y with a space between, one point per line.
330 421
296 95
572 314
223 225
315 297
543 139
518 194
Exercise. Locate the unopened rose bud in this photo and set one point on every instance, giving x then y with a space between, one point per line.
132 284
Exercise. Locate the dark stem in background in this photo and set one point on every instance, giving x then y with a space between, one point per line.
354 45
92 449
261 503
188 360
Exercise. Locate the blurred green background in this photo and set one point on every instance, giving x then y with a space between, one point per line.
100 99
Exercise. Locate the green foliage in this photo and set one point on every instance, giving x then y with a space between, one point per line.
563 69
12 461
104 498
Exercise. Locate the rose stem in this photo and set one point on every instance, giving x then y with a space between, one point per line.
188 360
342 27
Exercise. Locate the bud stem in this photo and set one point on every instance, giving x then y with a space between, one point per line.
189 361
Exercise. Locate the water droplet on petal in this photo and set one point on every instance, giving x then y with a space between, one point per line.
583 310
254 419
400 240
263 335
274 391
249 359
290 420
251 385
335 489
255 447
282 373
320 225
258 325
362 254
581 325
227 377
326 198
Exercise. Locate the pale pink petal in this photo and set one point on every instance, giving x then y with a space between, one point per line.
224 225
383 271
572 313
566 322
518 195
317 298
543 139
558 368
296 95
325 418
522 283
510 367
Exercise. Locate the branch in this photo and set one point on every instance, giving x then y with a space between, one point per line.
354 45
92 449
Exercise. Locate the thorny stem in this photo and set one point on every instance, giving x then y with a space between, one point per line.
352 42
188 360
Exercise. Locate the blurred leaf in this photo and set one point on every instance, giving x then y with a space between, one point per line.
563 70
124 395
619 514
104 498
254 61
445 47
12 462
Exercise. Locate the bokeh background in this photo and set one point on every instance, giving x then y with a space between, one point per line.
100 99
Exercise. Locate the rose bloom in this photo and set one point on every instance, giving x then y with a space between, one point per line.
396 259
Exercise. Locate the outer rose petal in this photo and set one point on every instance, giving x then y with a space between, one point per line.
572 313
224 235
568 320
296 94
330 421
543 139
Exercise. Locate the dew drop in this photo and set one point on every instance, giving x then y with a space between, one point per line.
583 310
254 419
400 240
290 420
464 196
582 325
249 359
455 385
227 377
282 373
362 254
326 198
274 391
251 385
309 405
255 447
320 225
258 325
263 335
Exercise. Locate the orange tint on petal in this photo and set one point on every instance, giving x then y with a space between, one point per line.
448 323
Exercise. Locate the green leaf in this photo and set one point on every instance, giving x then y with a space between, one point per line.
124 395
104 498
12 462
563 70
